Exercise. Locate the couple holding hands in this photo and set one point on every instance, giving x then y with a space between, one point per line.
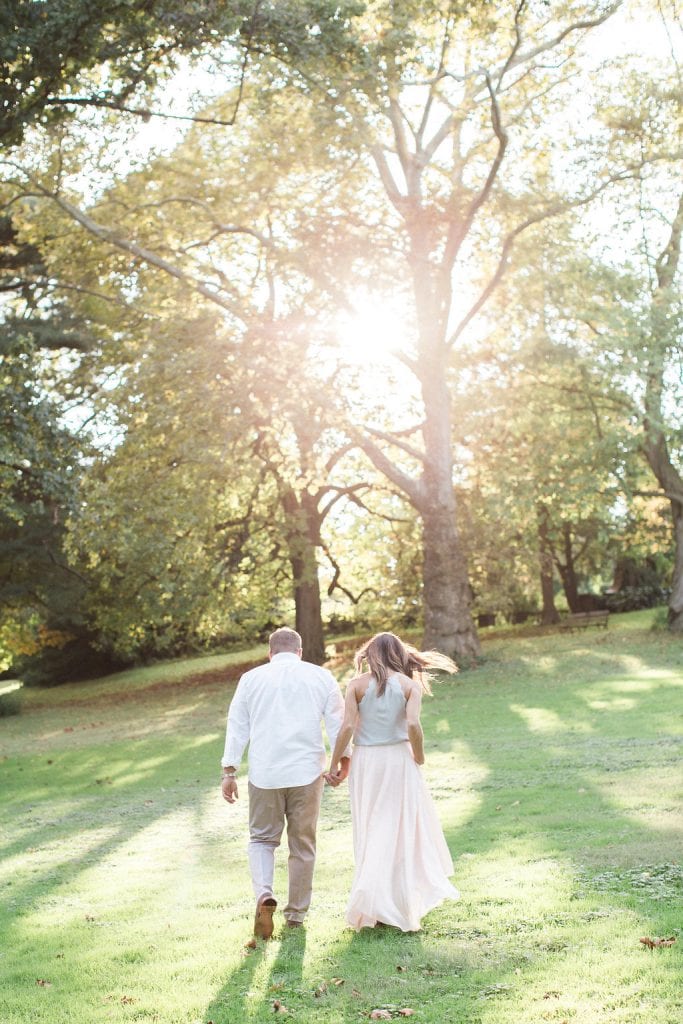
401 857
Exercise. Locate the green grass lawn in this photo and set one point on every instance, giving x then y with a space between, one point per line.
557 773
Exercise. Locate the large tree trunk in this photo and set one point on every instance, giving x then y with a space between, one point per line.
655 445
676 599
448 625
308 615
671 482
303 536
550 614
447 595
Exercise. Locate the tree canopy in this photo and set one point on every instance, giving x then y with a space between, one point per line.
499 193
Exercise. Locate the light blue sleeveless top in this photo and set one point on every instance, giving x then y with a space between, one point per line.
382 720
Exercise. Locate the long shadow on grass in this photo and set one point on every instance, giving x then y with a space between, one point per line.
560 854
101 799
542 749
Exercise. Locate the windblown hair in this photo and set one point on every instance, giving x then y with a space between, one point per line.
284 639
386 654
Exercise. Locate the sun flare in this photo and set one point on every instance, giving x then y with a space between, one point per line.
374 334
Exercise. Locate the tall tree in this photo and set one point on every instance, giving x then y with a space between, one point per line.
439 99
620 310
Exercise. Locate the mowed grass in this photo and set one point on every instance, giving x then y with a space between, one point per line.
557 773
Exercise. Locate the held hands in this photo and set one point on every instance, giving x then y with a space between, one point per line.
335 777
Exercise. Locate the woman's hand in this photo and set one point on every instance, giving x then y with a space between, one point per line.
338 773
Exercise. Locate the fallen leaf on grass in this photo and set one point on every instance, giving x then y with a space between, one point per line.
43 983
321 990
655 943
279 1007
380 1015
551 995
127 1000
400 968
406 1012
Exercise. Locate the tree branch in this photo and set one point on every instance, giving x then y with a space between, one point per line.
111 236
578 26
459 230
395 440
336 585
556 210
342 492
144 112
419 135
390 186
412 488
517 43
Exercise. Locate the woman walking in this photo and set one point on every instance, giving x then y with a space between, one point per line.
402 860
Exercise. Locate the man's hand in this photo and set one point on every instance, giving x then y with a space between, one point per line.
229 788
334 778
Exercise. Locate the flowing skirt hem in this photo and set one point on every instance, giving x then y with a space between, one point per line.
402 860
359 918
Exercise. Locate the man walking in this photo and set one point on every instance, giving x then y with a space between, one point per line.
278 709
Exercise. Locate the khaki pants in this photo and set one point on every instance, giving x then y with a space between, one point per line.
268 810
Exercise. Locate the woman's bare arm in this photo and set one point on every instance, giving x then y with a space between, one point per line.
415 734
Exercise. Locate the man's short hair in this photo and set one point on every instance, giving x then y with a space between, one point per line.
284 639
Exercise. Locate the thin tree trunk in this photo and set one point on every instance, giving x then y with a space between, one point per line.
567 570
550 614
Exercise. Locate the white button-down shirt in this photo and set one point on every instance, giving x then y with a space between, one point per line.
278 710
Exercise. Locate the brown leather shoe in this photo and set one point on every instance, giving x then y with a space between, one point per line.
263 920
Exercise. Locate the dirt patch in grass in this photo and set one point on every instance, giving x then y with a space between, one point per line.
211 679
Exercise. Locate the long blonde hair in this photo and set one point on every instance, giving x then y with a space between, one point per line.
386 654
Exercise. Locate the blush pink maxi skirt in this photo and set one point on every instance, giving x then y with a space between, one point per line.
402 860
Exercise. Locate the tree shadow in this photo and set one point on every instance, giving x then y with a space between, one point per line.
120 802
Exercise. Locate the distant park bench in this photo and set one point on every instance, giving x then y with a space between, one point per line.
580 620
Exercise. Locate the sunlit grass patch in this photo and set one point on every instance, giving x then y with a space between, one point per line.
555 768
